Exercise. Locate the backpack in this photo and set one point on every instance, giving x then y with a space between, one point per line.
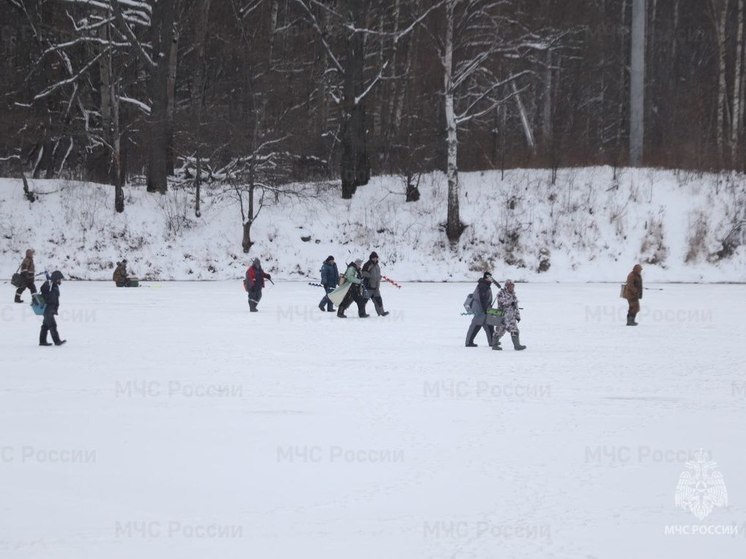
469 303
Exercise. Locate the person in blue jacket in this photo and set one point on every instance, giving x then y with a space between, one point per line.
330 280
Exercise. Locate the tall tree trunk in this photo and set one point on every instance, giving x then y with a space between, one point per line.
162 32
720 14
525 122
354 165
453 223
622 77
735 132
546 121
637 84
198 86
172 60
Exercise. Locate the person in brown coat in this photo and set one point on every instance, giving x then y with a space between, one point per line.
633 293
28 271
120 275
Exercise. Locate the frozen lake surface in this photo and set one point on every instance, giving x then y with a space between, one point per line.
175 424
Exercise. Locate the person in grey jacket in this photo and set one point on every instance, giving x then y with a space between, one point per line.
482 301
372 282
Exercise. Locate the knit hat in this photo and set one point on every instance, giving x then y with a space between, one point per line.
373 255
358 262
487 275
256 262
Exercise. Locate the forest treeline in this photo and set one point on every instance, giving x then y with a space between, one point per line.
279 90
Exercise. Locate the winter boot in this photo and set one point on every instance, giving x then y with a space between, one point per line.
496 343
322 307
252 306
517 342
340 313
631 320
43 336
18 299
471 335
56 337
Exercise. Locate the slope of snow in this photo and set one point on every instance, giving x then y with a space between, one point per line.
176 424
588 226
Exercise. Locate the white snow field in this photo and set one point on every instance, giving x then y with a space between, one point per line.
175 424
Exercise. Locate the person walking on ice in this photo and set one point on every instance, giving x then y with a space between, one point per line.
355 293
507 302
255 277
633 293
28 271
481 301
329 280
372 282
51 293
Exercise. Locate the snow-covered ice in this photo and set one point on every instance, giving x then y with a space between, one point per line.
176 424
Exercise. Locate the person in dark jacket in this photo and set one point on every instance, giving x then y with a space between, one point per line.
482 302
355 293
28 271
330 280
51 292
372 282
255 277
120 276
633 294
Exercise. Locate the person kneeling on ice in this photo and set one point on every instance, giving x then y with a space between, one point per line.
482 300
121 277
507 302
51 293
329 280
255 277
355 293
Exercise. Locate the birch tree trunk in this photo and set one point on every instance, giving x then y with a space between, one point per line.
453 224
735 131
525 122
637 84
719 14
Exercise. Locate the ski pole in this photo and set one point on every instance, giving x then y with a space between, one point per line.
392 282
654 288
